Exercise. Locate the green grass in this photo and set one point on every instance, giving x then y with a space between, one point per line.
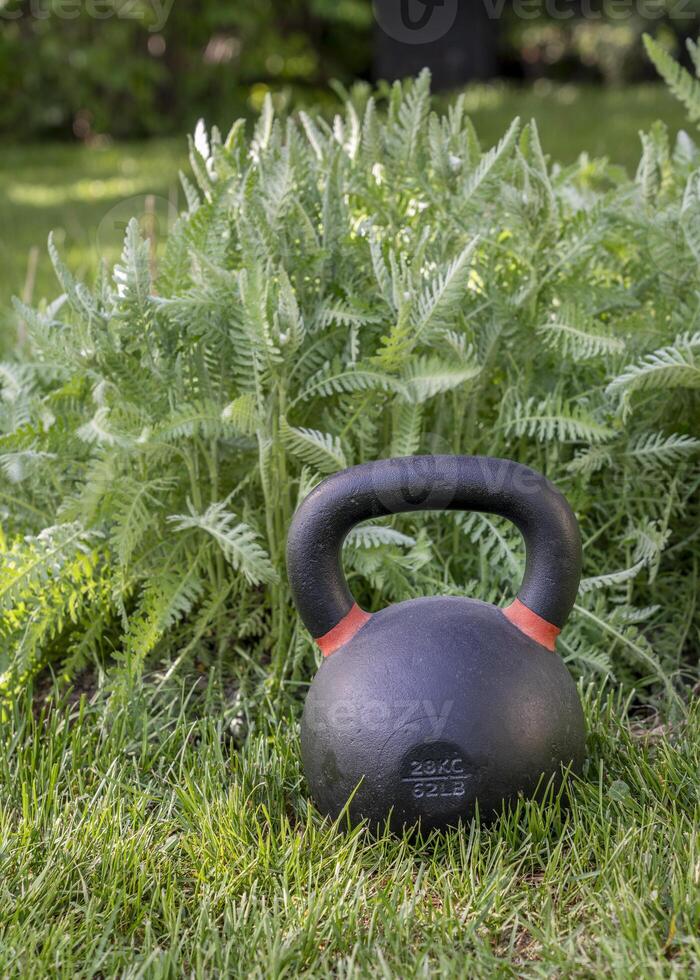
576 119
86 194
151 844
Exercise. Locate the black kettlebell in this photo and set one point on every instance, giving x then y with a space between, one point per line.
425 708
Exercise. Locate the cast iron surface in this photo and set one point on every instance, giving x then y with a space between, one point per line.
436 703
391 486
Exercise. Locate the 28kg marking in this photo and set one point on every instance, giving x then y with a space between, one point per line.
436 778
435 768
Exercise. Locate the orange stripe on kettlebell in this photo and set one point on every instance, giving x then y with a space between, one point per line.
343 631
532 625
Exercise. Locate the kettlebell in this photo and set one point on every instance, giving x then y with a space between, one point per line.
431 707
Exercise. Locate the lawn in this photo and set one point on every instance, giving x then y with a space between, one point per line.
155 844
86 194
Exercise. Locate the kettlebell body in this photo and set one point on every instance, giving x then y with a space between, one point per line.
429 708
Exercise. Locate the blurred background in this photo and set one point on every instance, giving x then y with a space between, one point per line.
98 94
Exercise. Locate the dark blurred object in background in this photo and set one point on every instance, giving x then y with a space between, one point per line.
456 40
131 68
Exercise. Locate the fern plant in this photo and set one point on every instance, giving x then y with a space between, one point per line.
330 294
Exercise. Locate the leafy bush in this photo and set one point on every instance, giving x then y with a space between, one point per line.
338 293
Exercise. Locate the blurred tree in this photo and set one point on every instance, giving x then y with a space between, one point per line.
154 66
136 67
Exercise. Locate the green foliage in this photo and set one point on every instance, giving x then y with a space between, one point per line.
681 83
143 67
134 68
328 298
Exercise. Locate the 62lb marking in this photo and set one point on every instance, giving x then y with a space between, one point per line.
436 777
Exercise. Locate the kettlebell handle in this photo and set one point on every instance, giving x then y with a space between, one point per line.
472 483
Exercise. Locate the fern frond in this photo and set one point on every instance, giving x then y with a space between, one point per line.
263 127
345 315
410 118
313 134
397 579
650 540
555 418
132 277
588 657
320 450
490 162
27 566
238 541
406 432
17 381
381 272
242 414
98 432
669 367
681 83
690 215
648 176
79 298
610 579
653 450
442 299
291 327
308 479
135 508
568 331
329 381
255 316
590 460
162 604
432 375
187 421
18 466
489 534
376 536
